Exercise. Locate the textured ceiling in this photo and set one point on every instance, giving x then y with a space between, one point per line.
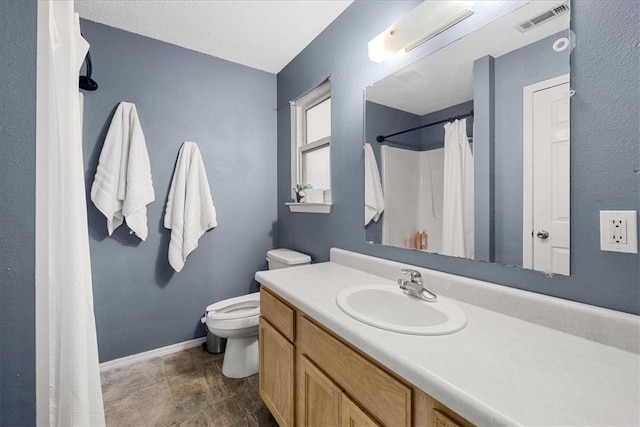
427 86
263 34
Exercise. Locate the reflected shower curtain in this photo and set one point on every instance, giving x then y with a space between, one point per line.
68 385
457 209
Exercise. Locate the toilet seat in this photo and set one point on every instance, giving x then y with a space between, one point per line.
240 307
217 327
234 313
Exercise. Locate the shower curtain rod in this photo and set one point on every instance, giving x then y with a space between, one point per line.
381 138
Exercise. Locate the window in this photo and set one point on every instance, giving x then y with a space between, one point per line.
311 138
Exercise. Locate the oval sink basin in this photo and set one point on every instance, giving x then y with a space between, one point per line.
387 307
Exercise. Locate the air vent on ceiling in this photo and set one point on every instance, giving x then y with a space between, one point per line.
407 76
543 17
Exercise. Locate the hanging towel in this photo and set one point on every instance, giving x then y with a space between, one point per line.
122 187
190 211
373 196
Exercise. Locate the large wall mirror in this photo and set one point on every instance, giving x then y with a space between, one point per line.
472 145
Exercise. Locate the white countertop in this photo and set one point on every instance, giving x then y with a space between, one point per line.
498 370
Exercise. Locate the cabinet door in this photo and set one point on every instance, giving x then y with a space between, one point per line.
353 416
441 420
277 374
318 397
379 393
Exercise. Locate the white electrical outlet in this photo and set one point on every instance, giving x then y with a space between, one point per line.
618 231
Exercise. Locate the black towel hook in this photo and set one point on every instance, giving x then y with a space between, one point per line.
86 82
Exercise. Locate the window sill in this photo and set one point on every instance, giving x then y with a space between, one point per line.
323 208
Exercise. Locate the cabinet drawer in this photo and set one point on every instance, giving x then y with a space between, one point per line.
385 398
279 314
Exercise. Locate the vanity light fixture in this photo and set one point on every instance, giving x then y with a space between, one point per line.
430 18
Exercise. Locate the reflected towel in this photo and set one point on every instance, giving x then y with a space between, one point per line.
122 187
190 211
373 195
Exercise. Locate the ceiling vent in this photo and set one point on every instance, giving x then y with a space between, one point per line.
407 76
543 17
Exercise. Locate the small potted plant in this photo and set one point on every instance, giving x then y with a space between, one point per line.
300 190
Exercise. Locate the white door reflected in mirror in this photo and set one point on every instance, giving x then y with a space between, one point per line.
546 176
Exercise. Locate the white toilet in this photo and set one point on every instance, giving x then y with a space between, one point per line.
236 319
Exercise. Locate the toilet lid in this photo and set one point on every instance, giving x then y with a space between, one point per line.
235 308
235 313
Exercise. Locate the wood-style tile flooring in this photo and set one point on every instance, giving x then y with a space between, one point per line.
181 389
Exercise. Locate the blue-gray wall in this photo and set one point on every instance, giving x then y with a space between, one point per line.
229 111
383 120
604 158
513 71
17 211
484 158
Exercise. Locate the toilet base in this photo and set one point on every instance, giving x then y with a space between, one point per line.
241 357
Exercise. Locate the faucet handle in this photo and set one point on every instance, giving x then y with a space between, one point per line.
412 273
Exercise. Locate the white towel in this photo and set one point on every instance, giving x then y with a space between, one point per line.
373 196
122 187
190 211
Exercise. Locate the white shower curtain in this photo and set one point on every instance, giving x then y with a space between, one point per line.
68 376
457 209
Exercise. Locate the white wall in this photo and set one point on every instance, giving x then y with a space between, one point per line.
429 216
413 187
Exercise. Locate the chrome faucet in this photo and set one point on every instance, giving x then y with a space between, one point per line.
414 286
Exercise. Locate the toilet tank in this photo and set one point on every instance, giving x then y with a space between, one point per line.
282 258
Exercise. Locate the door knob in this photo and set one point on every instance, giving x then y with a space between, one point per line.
542 234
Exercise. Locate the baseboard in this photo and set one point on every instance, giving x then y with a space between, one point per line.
162 351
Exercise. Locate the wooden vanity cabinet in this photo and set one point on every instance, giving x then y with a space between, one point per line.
310 377
277 366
